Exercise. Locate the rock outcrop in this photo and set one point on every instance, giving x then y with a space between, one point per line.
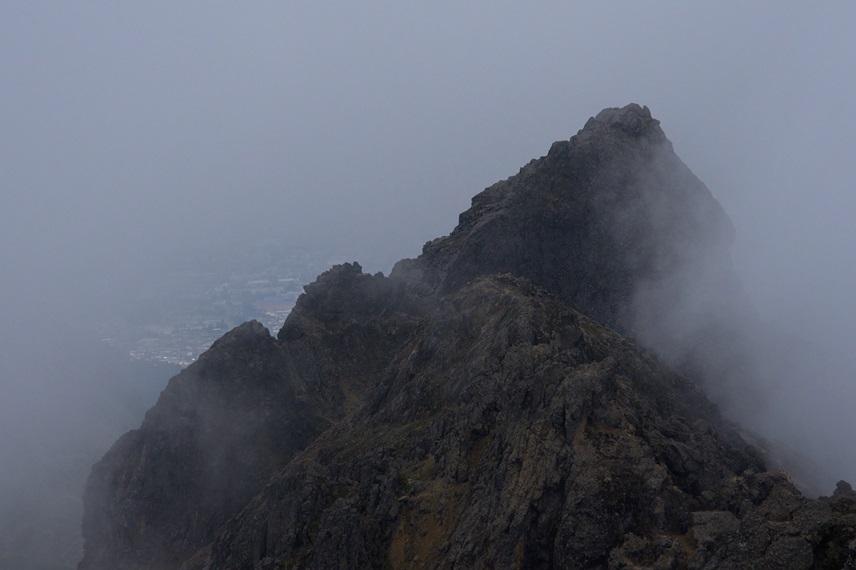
486 405
615 224
228 422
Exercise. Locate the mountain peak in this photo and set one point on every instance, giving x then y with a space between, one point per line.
631 118
610 209
486 405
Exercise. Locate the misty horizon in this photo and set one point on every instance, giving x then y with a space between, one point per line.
141 139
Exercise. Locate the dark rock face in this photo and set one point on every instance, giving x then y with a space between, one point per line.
230 420
510 431
478 408
593 222
616 225
219 430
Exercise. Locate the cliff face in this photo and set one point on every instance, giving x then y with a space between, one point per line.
511 431
229 421
596 218
615 224
480 407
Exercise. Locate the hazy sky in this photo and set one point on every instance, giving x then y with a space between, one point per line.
131 134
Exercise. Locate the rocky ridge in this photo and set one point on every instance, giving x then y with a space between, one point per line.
486 405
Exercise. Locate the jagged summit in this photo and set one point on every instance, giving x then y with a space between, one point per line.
631 119
480 407
612 222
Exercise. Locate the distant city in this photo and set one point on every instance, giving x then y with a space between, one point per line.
178 316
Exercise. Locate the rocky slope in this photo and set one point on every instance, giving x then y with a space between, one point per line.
229 421
480 407
615 224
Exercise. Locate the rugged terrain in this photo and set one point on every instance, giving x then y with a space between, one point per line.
532 391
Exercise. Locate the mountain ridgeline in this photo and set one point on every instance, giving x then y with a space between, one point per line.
532 391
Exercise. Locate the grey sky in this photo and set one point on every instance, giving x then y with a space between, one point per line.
132 130
132 134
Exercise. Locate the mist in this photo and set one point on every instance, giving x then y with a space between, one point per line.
139 139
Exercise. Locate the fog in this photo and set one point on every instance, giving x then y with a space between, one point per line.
138 138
